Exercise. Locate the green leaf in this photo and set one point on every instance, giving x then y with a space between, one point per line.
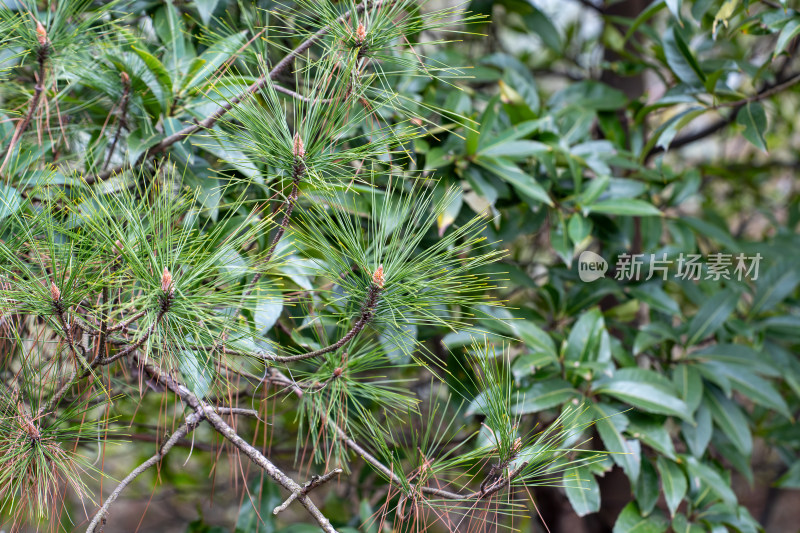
511 173
791 479
197 374
268 309
140 141
625 453
516 150
789 32
589 95
680 59
534 337
647 489
702 473
624 206
543 395
205 8
698 435
202 67
731 420
689 384
630 520
772 288
645 390
674 7
711 315
10 200
161 74
582 490
522 90
541 25
742 377
587 337
673 480
255 514
754 119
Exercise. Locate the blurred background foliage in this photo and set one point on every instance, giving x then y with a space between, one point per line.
663 128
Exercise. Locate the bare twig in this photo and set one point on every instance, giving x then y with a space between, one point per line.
315 482
220 426
192 421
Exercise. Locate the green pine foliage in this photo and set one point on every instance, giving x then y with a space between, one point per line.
329 253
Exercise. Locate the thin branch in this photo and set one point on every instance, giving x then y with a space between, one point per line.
367 313
192 421
220 426
711 129
315 482
41 56
126 91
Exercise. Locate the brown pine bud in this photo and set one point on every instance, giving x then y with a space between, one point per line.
166 281
41 33
337 371
361 33
378 278
298 149
125 78
54 292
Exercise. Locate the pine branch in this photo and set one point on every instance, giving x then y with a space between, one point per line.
214 117
126 91
209 413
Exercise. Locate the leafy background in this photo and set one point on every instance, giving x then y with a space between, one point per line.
658 128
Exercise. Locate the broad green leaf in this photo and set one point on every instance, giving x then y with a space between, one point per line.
202 67
774 286
646 390
710 317
543 395
516 150
534 337
578 228
647 488
680 58
725 12
689 384
542 26
520 90
703 474
789 32
674 7
673 480
162 76
630 520
791 479
10 200
582 490
255 514
268 309
205 8
586 337
511 173
754 119
140 141
625 453
729 417
698 435
590 95
742 378
652 432
624 206
197 372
